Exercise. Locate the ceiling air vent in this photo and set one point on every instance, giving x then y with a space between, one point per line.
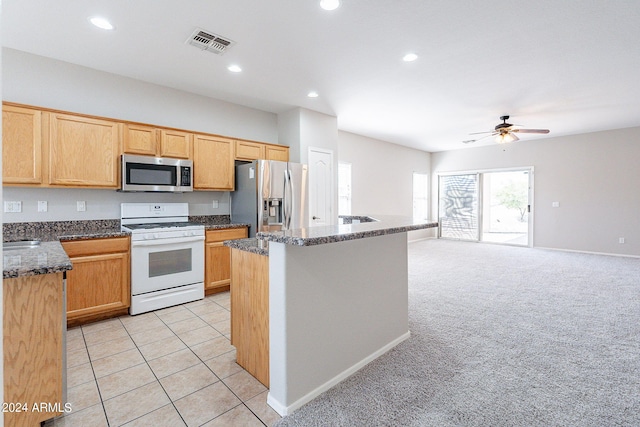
206 40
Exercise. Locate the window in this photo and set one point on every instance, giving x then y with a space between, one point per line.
420 195
344 188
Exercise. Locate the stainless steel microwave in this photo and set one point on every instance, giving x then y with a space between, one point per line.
160 174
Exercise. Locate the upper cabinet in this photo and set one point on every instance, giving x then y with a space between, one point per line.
140 139
175 143
21 145
250 150
276 152
153 141
213 163
83 151
49 148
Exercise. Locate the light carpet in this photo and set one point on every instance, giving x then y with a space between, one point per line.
502 336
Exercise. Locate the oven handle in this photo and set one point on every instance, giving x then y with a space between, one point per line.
161 242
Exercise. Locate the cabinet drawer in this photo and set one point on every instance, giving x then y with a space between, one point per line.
96 246
229 234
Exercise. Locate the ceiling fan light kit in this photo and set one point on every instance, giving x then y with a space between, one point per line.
505 132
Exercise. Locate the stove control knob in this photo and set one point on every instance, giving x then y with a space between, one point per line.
148 236
156 236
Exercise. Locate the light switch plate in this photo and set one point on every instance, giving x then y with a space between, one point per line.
81 206
215 204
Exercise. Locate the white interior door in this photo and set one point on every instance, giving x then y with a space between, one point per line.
320 187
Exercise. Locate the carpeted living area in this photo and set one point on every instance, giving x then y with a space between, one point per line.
502 336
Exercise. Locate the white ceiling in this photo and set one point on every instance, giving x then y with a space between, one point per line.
571 66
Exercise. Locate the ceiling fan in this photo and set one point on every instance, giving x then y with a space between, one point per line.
505 132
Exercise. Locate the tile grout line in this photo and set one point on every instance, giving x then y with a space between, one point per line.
137 347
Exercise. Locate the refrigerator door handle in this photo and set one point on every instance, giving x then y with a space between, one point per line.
288 198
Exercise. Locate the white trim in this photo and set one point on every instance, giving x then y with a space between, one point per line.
286 410
588 252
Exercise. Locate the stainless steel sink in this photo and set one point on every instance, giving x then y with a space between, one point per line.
22 244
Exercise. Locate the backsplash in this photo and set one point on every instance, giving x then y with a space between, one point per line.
102 204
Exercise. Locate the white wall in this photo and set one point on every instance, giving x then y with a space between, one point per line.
44 82
594 176
382 176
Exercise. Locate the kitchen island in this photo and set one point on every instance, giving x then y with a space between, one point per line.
338 299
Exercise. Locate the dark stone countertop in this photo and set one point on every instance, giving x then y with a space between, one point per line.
25 262
47 258
373 227
253 245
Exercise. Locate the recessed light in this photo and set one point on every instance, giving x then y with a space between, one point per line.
410 57
329 4
101 23
234 68
313 94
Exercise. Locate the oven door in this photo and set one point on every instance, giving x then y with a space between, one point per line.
166 263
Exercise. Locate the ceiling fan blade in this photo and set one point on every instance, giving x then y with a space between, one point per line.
530 130
478 133
471 141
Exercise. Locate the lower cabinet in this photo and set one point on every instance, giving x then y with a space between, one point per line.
217 275
33 349
99 285
250 312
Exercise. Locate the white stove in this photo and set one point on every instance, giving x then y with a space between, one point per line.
167 255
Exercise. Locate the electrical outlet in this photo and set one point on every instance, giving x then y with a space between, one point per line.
621 240
81 206
42 205
14 207
215 204
555 204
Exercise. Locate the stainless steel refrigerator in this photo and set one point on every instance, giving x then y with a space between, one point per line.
271 195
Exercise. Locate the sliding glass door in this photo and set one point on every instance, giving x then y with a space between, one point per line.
458 207
488 206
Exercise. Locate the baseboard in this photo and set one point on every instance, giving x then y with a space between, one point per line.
284 410
588 252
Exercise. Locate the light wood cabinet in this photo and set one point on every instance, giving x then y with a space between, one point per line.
250 312
140 139
276 152
99 285
213 163
247 150
154 141
83 151
32 340
21 145
217 276
251 150
175 143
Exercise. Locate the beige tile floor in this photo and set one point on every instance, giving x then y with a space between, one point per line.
171 367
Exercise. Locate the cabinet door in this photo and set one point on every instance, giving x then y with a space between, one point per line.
140 139
213 163
83 151
21 145
98 284
175 143
246 150
218 258
277 153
